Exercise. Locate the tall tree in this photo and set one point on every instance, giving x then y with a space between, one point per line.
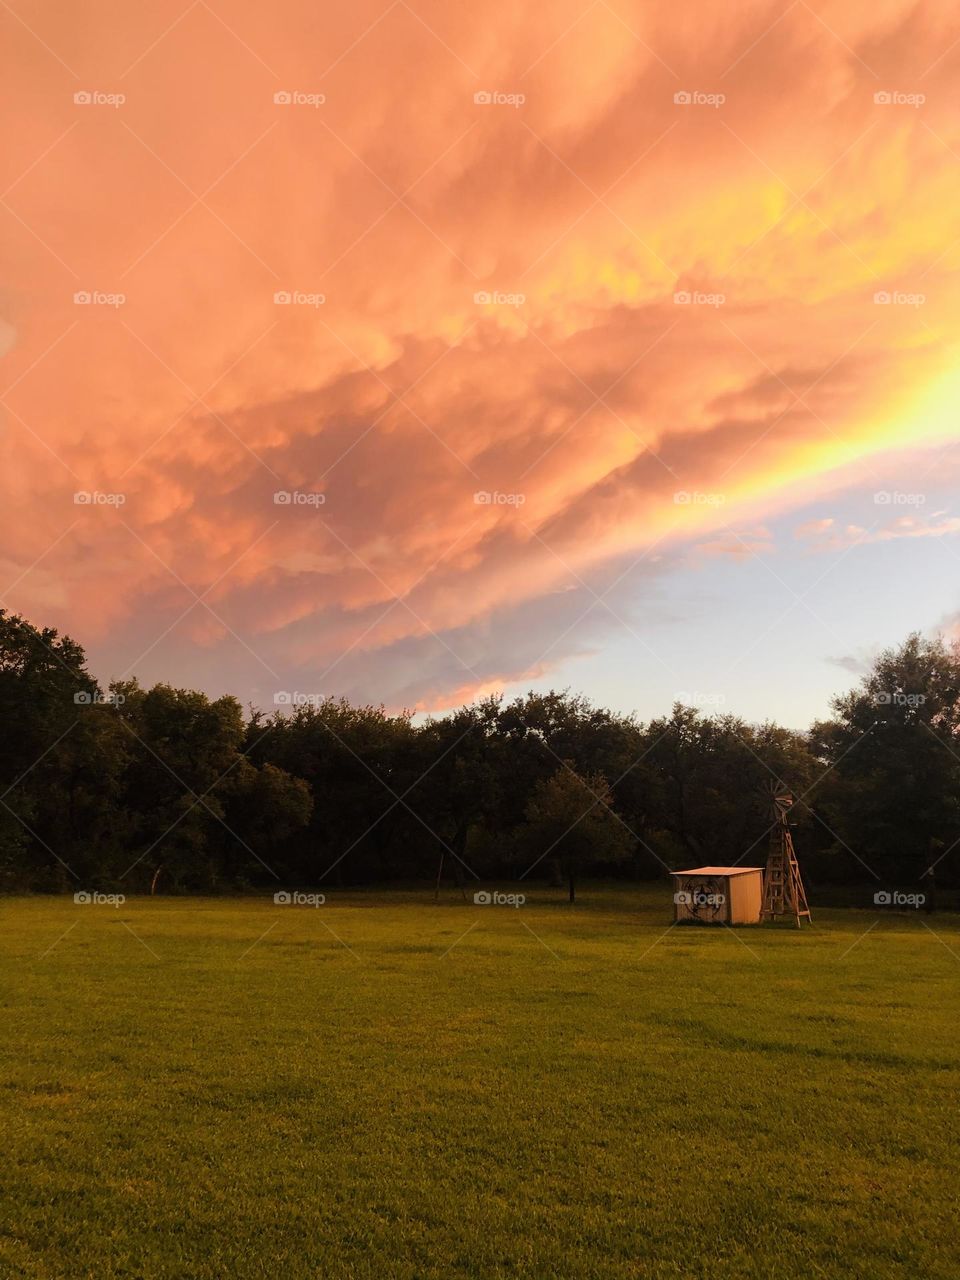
570 819
44 684
892 793
184 748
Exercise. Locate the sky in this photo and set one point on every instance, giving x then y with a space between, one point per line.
414 351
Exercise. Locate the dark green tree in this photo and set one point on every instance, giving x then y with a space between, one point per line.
890 761
570 819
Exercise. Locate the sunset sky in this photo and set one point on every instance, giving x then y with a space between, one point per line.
609 345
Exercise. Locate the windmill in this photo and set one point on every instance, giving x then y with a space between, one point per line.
783 891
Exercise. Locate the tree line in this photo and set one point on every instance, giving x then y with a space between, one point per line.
166 790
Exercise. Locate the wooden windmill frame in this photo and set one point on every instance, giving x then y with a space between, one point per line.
783 891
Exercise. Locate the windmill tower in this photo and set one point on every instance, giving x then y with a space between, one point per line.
783 891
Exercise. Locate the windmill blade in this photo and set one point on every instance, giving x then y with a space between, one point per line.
779 799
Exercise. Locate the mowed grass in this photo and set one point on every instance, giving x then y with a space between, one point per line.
385 1087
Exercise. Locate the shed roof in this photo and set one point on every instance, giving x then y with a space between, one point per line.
716 871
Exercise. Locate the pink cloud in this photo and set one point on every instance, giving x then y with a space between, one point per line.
585 396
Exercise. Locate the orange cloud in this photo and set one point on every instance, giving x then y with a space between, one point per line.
828 535
507 304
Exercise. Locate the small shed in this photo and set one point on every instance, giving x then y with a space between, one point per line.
718 895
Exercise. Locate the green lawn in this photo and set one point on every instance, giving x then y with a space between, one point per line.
384 1087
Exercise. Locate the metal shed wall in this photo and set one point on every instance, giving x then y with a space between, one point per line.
746 897
741 891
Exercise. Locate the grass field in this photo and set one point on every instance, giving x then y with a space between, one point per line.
385 1087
